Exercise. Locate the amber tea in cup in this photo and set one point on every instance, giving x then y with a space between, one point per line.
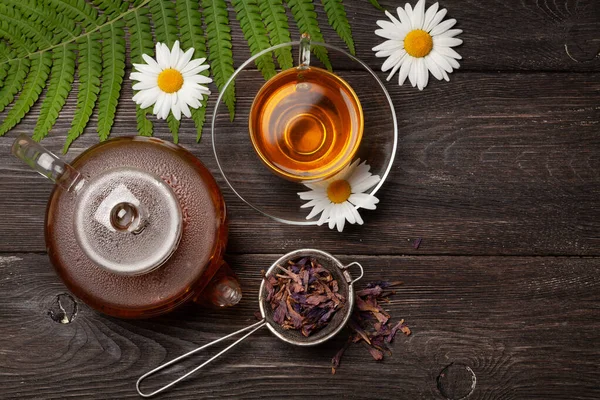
306 123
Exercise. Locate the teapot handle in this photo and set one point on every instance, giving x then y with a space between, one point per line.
47 163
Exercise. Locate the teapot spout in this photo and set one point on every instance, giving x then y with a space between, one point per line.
47 163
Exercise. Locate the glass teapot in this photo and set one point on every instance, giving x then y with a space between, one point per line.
135 226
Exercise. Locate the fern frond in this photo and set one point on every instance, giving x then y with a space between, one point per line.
276 21
113 69
31 29
22 45
377 5
219 48
191 34
144 125
36 80
79 11
89 69
190 28
199 117
61 79
165 23
337 18
255 33
111 8
62 28
306 19
141 42
173 127
13 82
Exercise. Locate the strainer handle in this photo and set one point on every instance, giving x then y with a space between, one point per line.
362 271
252 328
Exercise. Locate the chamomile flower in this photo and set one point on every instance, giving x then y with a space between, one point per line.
172 82
338 197
418 43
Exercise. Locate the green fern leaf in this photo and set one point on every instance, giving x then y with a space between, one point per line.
191 35
336 15
31 29
13 82
376 5
21 44
113 69
3 73
276 21
190 29
199 117
255 32
165 26
61 78
173 127
62 28
79 11
112 8
219 46
144 125
89 69
141 42
306 19
36 80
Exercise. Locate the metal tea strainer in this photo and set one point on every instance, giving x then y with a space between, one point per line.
339 272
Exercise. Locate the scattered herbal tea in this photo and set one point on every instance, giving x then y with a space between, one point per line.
370 324
304 296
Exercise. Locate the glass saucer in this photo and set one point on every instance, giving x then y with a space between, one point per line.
244 171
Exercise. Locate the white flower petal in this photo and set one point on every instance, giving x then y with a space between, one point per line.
184 59
162 57
174 56
191 65
446 41
144 85
364 200
389 45
392 60
357 216
405 69
158 105
433 68
312 195
409 13
366 184
448 52
149 70
404 18
413 74
446 77
395 21
325 214
176 110
418 15
393 35
443 27
166 106
440 60
436 19
318 207
198 79
152 63
429 14
348 212
341 218
422 74
451 33
185 110
398 65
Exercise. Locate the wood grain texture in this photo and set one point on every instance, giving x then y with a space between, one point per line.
486 164
527 327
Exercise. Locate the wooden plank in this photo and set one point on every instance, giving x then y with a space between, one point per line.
516 36
527 327
486 164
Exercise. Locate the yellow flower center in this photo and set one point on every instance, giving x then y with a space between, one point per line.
339 191
170 80
418 43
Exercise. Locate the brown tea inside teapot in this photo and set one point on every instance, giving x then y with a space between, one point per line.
136 226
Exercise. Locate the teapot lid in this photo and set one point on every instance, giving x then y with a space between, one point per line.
127 221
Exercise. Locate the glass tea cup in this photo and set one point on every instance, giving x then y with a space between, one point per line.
243 169
306 123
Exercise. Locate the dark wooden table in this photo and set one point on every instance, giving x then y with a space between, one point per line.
498 171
